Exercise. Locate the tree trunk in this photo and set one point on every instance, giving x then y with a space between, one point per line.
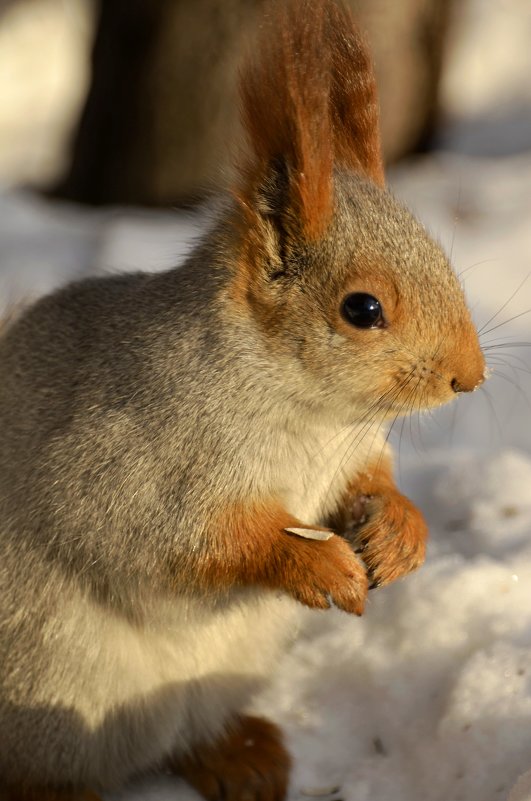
160 123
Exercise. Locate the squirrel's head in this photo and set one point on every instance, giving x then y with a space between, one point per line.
339 279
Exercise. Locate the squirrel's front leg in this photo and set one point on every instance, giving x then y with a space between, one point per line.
383 526
249 546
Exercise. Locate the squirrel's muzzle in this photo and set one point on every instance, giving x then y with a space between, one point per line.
469 369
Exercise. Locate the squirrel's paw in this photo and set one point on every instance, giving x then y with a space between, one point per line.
249 762
319 573
390 537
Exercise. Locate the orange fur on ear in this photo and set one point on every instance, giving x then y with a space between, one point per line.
309 101
354 98
285 96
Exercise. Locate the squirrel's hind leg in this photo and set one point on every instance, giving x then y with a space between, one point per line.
248 762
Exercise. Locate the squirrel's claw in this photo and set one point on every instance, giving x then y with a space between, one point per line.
392 542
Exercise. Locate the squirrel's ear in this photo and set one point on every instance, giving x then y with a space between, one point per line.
308 100
354 99
285 95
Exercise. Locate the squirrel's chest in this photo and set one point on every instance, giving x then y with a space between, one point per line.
314 472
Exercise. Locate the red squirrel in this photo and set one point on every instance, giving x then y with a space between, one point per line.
163 434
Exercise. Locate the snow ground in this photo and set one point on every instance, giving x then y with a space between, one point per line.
428 696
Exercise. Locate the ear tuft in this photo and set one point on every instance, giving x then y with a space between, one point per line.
308 101
285 93
354 98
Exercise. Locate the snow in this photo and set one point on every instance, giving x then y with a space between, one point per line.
486 84
428 696
522 788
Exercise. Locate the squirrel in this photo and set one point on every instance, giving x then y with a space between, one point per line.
167 438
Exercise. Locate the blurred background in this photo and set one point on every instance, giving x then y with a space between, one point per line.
118 120
135 101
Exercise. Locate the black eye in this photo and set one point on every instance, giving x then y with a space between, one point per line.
362 310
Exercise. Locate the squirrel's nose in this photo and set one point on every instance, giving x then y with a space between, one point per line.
467 371
468 385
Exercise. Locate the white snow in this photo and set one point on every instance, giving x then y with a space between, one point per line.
428 696
522 788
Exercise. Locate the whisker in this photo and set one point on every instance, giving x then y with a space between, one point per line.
358 435
453 422
408 418
497 340
397 415
490 403
476 264
502 358
411 418
348 426
423 397
518 288
510 344
406 400
361 433
506 322
416 356
515 384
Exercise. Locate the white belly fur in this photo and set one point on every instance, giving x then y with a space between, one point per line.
140 692
320 468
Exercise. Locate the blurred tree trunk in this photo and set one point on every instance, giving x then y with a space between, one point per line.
160 123
407 39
